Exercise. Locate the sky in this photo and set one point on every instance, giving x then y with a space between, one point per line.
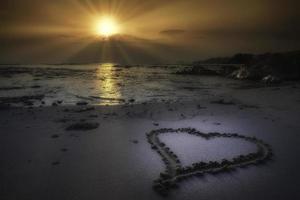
151 32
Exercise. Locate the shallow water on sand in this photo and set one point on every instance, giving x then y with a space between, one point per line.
103 84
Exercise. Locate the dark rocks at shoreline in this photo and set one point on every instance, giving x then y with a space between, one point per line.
271 79
198 70
270 68
284 66
261 73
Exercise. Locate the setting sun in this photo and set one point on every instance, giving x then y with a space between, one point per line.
107 27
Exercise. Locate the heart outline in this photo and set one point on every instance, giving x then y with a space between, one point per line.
175 172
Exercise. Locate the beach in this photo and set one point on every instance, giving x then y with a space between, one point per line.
100 151
149 100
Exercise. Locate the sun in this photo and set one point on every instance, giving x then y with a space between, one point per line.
107 27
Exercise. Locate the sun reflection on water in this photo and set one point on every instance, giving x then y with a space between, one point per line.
107 85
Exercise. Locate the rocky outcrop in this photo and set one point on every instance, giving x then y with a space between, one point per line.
269 67
198 70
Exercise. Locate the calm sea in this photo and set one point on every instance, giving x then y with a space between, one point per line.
105 84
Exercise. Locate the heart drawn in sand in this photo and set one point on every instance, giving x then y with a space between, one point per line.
175 172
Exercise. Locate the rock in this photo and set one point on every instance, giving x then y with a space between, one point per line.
246 73
55 136
198 70
82 126
56 163
135 141
64 149
284 65
199 107
271 79
82 103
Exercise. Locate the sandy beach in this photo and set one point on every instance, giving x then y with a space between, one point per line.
101 152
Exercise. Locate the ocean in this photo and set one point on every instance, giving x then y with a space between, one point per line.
102 84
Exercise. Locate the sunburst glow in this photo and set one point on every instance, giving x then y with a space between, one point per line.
107 27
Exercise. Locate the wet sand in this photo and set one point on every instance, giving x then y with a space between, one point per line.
105 153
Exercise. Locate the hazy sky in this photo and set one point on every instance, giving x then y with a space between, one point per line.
152 31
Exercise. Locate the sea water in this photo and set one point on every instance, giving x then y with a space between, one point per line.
104 84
